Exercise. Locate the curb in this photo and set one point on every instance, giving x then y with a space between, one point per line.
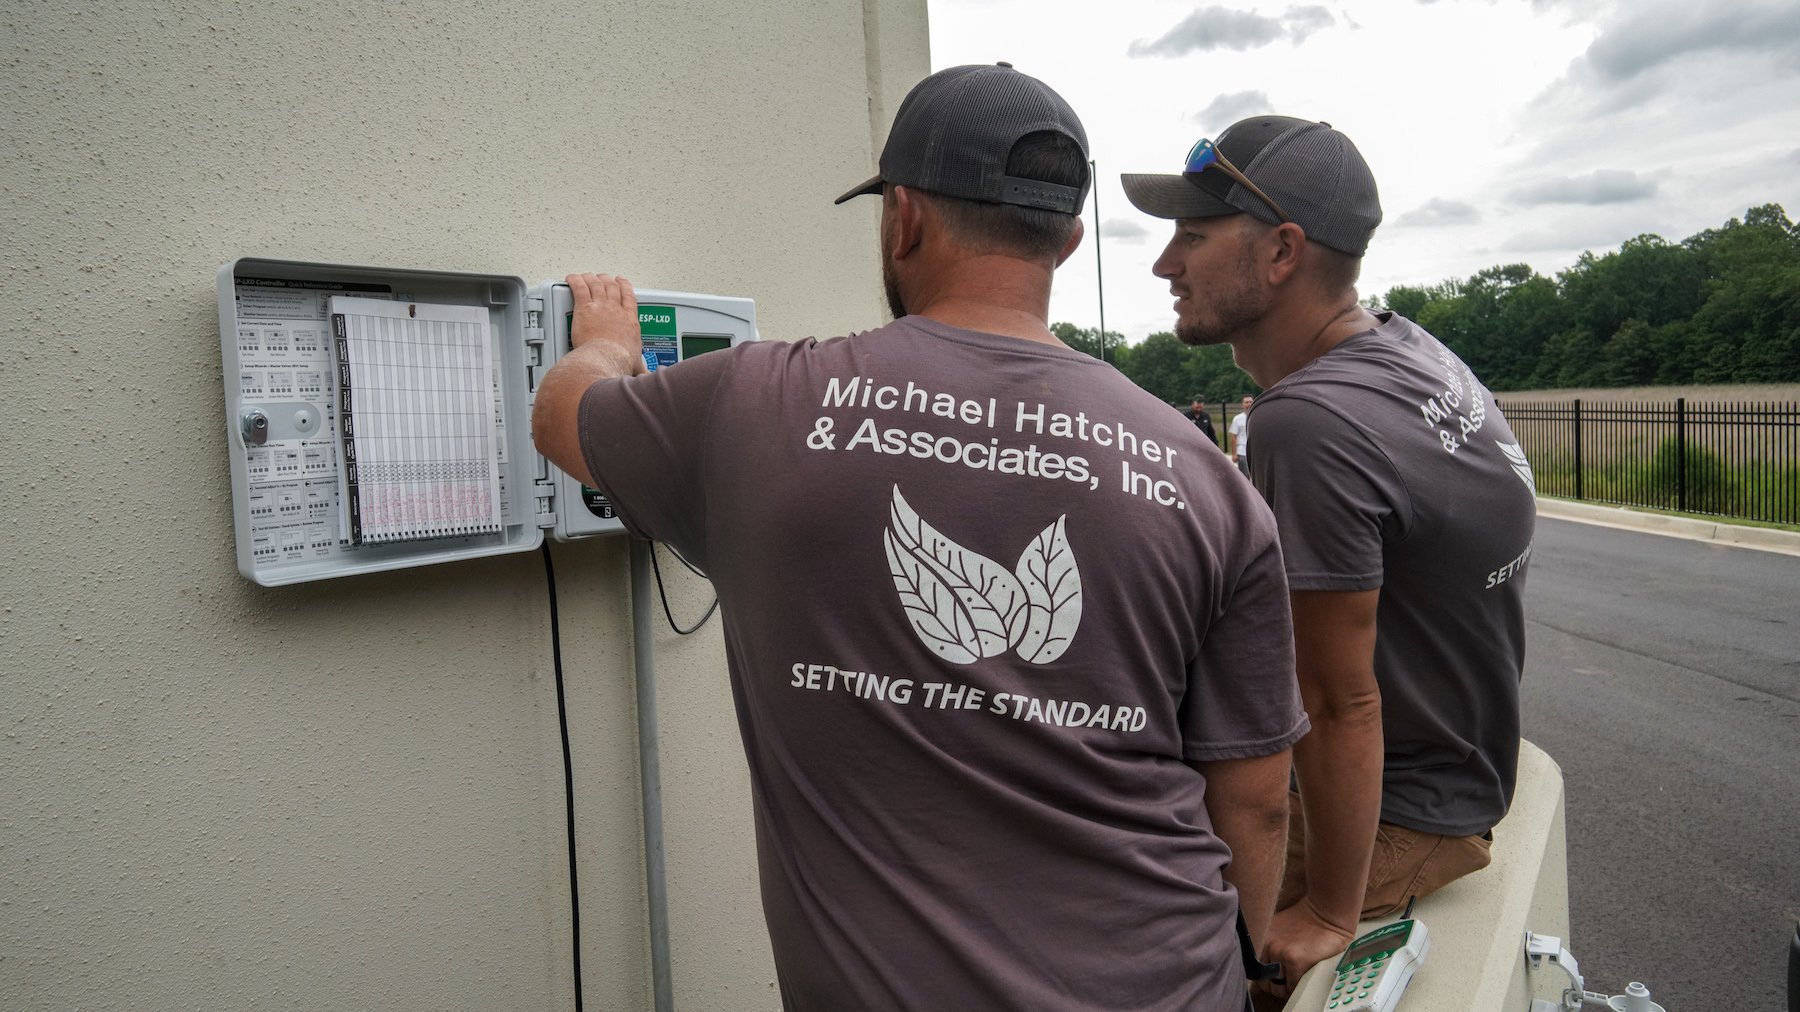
1759 538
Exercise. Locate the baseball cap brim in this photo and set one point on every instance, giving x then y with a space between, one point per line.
1172 196
872 186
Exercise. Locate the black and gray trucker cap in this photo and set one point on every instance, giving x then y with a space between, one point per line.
956 128
1315 174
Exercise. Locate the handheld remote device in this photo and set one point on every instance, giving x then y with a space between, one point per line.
1376 968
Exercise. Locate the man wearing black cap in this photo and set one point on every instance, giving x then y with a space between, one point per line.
1406 512
1009 642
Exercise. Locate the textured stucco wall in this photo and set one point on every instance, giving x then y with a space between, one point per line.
349 794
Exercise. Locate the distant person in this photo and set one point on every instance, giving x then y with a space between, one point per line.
1197 414
1238 432
1406 512
1009 644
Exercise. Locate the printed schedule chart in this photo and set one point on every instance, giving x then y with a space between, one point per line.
412 448
416 420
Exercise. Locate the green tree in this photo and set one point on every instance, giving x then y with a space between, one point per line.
1087 340
1156 364
1720 306
1677 350
1648 279
1571 358
1410 300
1213 375
1749 323
1497 321
1629 356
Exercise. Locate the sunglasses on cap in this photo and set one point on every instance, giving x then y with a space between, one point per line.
1206 155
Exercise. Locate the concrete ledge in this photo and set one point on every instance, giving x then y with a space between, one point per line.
1478 924
1760 538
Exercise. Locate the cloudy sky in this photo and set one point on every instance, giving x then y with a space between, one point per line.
1500 131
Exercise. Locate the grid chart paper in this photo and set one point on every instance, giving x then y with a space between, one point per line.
421 456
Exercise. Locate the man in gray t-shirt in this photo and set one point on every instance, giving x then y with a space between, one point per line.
1406 512
1009 643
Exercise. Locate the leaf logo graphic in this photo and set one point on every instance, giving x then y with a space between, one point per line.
1515 455
965 606
1053 589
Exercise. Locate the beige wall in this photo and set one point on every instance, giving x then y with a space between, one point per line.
349 794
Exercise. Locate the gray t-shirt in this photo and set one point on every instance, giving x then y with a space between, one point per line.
982 597
1389 465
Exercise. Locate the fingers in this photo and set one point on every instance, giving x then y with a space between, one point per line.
607 289
605 310
1298 939
1278 988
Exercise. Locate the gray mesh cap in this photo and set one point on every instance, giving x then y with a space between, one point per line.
956 128
1311 170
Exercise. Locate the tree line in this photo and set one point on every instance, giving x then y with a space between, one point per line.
1722 306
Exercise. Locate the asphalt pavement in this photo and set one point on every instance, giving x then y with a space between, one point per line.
1663 675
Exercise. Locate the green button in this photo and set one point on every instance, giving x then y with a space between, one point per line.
1363 961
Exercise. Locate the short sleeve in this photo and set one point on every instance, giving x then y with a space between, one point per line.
1243 699
644 440
1335 494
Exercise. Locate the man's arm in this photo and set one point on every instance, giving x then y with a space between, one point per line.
1247 800
1339 769
607 345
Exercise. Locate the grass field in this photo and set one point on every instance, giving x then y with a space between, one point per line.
1752 393
1732 451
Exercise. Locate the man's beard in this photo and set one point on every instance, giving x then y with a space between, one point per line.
896 305
1233 309
889 284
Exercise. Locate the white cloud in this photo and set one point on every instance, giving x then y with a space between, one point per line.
1124 230
1650 35
1604 186
1438 212
1212 28
1225 110
1481 98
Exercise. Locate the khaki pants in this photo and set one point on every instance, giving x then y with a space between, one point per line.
1406 863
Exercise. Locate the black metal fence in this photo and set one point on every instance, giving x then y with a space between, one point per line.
1725 459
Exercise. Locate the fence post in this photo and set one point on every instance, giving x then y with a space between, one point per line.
1681 454
1577 419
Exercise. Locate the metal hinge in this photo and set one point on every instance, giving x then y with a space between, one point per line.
544 490
534 334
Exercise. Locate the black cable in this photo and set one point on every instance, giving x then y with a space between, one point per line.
562 717
667 613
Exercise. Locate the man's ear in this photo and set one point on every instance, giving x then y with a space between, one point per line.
907 214
1285 251
1074 242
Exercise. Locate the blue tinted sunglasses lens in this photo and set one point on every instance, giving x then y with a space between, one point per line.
1202 155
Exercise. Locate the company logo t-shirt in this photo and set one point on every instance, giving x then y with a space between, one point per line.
983 598
1389 465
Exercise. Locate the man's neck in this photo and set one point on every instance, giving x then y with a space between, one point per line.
1283 342
990 319
991 294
